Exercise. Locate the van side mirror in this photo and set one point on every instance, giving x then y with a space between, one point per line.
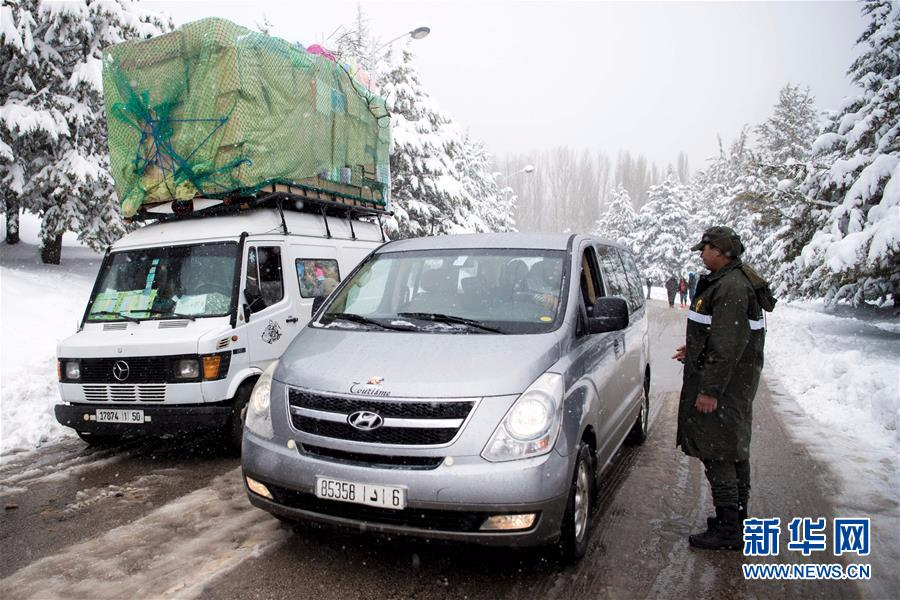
318 301
610 314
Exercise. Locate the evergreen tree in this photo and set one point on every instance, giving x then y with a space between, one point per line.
53 114
427 196
854 252
494 206
619 222
665 239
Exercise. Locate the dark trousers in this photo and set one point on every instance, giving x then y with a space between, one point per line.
729 481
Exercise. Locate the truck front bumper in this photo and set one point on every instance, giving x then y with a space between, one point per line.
157 419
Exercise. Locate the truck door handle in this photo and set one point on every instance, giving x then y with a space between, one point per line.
292 319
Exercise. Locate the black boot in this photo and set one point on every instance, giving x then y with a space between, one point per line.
724 534
742 516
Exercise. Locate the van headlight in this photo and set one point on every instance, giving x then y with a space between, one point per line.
259 408
532 424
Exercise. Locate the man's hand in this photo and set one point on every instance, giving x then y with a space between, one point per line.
679 354
547 300
706 404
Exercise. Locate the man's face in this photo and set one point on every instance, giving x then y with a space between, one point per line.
711 257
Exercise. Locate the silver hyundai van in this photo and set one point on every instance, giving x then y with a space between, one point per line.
467 387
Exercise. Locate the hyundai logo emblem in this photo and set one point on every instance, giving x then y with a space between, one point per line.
121 370
365 420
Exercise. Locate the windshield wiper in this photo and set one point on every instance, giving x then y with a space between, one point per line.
116 314
362 320
174 314
440 318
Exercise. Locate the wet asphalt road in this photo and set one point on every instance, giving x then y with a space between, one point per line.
169 519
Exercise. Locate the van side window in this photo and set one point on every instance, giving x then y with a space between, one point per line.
634 278
317 276
590 280
614 278
264 278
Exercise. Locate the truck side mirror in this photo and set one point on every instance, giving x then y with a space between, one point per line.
247 312
252 297
610 314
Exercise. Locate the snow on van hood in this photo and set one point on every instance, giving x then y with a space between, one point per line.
416 365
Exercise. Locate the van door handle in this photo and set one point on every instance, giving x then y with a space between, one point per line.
292 319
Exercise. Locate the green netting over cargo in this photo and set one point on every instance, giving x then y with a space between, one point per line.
214 109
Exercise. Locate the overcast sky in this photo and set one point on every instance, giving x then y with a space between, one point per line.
653 78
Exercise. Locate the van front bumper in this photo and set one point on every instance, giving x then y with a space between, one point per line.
447 502
157 419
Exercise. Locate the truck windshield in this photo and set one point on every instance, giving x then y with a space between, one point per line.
454 291
163 283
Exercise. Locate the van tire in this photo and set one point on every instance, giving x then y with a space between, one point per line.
233 432
638 433
576 524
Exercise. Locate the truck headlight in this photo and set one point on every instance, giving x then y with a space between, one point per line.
259 408
187 368
73 370
532 424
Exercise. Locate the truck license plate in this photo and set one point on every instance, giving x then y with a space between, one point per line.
383 496
108 415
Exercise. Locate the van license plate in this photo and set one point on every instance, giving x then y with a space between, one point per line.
383 496
107 415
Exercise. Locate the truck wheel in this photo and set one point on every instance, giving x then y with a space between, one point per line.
638 433
94 439
234 428
576 524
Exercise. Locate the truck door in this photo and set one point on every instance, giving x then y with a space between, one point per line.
273 320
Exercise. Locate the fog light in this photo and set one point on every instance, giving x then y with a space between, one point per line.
258 488
211 366
508 522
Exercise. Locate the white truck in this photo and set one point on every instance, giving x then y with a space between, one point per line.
186 314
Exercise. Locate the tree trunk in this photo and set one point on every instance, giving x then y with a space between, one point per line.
12 221
51 250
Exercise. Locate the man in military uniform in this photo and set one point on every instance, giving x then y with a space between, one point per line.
723 358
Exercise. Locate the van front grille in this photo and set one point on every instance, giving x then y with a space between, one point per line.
125 393
405 422
372 460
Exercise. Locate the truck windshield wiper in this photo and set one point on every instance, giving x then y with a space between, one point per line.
174 314
116 314
362 320
440 318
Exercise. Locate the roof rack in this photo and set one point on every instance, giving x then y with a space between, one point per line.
297 197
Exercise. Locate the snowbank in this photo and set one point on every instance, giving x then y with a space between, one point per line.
39 305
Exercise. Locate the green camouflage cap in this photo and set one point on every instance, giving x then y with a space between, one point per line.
723 238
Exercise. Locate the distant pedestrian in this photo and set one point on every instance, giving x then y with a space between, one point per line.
649 287
682 291
723 358
692 285
671 289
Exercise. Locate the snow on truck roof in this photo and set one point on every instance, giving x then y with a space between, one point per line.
254 222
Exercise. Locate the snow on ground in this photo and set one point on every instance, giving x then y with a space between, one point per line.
39 305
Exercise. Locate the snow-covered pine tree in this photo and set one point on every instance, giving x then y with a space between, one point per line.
64 157
665 239
494 205
427 196
854 254
619 222
785 142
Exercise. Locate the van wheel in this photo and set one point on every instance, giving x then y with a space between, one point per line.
577 519
234 428
94 439
638 433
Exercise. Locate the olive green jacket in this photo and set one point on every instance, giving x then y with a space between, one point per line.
723 359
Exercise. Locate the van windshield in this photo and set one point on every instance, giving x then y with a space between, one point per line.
169 282
453 291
